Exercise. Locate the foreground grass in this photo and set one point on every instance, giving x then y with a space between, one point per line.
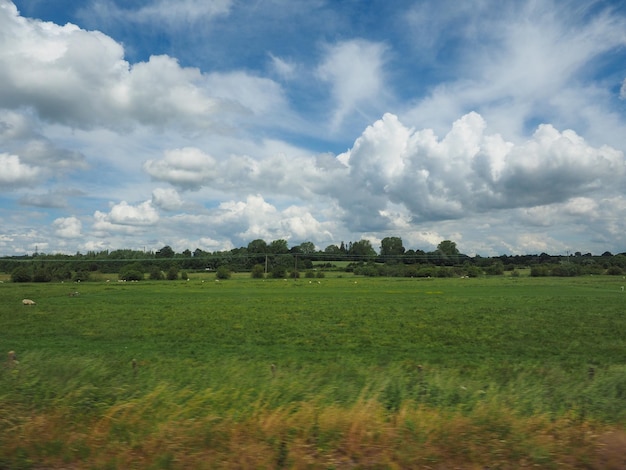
346 373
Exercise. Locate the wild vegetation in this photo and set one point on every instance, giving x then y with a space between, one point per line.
277 260
335 372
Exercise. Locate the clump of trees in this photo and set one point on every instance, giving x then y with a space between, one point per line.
277 259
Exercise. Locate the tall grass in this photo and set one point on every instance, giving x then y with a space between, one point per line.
498 373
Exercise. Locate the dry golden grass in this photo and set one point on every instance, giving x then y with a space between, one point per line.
162 430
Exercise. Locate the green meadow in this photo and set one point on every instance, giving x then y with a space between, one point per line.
338 372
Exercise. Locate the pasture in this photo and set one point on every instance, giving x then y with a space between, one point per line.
341 372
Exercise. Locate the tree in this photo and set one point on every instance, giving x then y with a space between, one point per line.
448 248
257 246
362 248
279 247
42 275
307 248
165 252
333 250
391 246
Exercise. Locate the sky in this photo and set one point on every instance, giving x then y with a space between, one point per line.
136 124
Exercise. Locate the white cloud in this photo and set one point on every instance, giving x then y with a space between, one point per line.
50 199
301 225
165 13
516 65
509 136
31 159
247 93
283 68
188 168
125 218
80 78
256 218
125 214
167 199
274 171
354 70
15 173
470 171
67 227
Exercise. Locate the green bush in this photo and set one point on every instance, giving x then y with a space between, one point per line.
258 272
172 273
223 272
539 271
21 274
81 276
279 272
615 271
156 274
42 275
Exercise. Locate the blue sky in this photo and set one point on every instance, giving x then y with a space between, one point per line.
208 124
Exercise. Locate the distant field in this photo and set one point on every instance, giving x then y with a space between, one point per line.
122 366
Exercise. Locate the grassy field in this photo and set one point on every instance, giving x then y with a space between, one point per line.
339 372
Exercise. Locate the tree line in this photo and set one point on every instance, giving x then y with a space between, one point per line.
277 259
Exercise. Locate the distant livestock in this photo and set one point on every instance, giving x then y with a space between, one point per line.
12 359
29 302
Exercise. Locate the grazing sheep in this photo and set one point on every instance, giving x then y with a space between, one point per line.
12 359
29 302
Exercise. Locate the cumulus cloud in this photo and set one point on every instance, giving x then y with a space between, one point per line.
31 158
15 173
187 168
125 218
395 176
80 78
125 214
300 224
14 127
191 168
622 93
167 199
51 199
354 71
470 171
254 218
67 227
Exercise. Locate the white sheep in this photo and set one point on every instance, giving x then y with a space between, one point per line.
12 359
28 302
